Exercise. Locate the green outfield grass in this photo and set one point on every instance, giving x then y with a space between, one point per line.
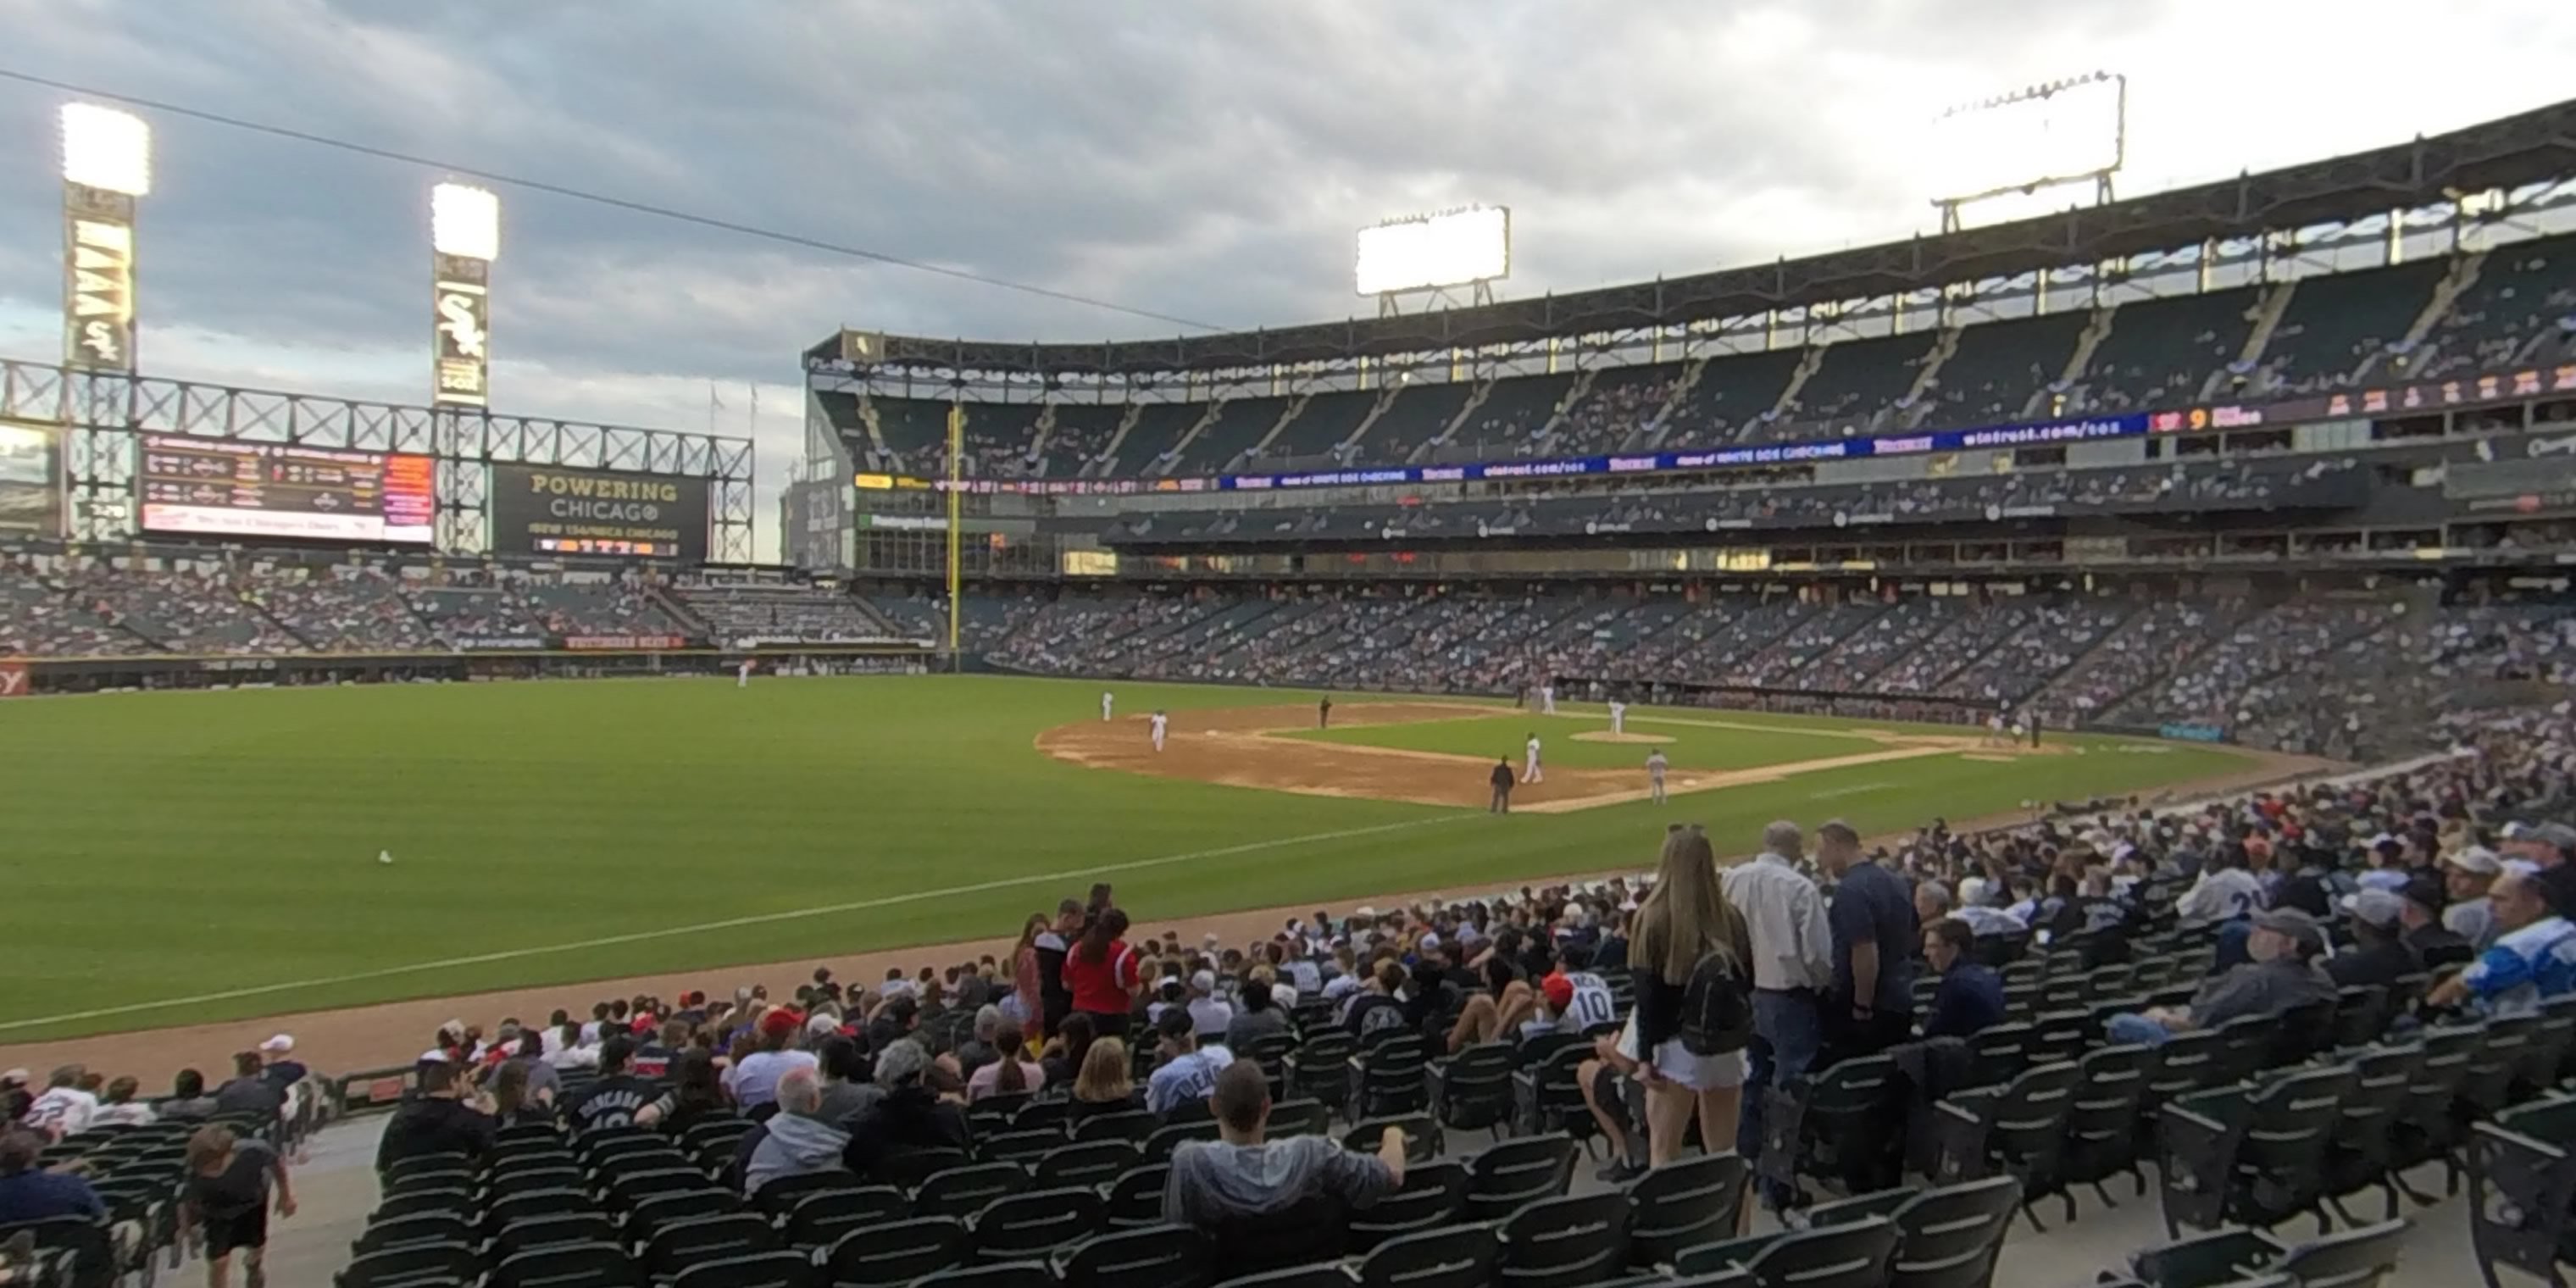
184 857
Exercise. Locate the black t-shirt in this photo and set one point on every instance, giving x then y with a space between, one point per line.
611 1102
1050 948
1501 777
253 1094
2436 946
240 1188
435 1125
1373 1011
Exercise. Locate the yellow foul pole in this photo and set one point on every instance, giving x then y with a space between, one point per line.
956 507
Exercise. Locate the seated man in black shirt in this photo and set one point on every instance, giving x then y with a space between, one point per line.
2433 944
2375 954
438 1122
1970 998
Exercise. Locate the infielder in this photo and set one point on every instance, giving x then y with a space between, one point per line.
1104 705
1547 699
1530 772
1655 774
1162 724
1618 718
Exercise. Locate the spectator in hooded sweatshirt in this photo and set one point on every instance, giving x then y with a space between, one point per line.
912 1116
795 1141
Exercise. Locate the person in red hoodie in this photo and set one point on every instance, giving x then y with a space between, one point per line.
1100 972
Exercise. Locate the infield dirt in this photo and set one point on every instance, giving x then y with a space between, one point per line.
1240 747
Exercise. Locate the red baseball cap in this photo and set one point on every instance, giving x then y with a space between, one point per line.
1558 990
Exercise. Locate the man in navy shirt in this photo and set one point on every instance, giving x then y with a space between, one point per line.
29 1192
1970 998
1872 922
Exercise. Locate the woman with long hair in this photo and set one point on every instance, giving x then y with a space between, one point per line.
1106 1085
1026 1002
1011 1072
1063 1056
512 1103
1101 973
1686 917
697 1095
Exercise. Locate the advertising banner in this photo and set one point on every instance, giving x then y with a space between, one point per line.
225 487
497 643
31 485
549 510
13 680
629 643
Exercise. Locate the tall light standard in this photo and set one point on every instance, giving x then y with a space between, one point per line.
464 239
107 164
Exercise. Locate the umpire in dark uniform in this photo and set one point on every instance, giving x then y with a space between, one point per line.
1502 781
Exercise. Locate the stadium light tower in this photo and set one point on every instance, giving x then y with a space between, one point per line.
1432 255
107 166
464 239
2067 131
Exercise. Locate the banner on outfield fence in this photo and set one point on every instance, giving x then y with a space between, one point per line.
546 510
13 680
2192 732
499 643
624 643
31 481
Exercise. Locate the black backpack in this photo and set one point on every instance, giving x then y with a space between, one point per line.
1717 1005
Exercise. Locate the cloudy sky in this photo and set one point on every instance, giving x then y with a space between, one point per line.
1207 161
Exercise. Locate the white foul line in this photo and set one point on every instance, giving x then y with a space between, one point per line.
729 923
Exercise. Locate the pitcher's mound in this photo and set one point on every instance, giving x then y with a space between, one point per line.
1604 735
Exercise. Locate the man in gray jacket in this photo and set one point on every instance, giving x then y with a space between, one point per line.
1242 1175
795 1141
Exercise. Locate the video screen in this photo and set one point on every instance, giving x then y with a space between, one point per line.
229 488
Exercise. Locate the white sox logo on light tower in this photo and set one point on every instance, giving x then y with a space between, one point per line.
107 164
464 239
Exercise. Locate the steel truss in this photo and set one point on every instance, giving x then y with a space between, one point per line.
100 414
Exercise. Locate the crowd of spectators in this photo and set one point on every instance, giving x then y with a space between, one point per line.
342 609
1611 417
2224 679
2203 486
736 614
67 605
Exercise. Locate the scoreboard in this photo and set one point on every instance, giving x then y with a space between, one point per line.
232 488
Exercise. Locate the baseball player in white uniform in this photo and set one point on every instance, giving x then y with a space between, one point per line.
1618 718
1162 725
1530 771
1655 773
1104 704
1547 699
742 675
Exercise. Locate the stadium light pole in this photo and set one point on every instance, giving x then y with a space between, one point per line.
956 508
464 239
107 166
